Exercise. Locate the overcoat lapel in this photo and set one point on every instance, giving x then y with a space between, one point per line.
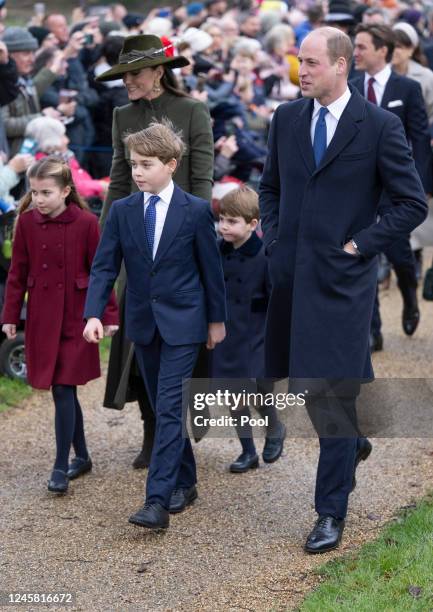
301 127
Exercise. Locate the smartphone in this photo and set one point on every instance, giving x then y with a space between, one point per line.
88 39
29 146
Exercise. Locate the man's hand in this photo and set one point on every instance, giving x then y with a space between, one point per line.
94 331
10 330
74 46
216 334
110 330
349 248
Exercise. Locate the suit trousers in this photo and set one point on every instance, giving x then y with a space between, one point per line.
401 256
172 464
334 419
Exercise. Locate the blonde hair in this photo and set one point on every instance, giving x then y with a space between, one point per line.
58 170
159 139
241 202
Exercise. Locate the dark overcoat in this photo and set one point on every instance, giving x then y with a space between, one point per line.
241 354
322 297
51 260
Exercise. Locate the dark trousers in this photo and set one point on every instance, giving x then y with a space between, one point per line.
334 419
172 463
401 256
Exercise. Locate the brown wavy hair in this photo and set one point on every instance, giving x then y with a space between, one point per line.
58 170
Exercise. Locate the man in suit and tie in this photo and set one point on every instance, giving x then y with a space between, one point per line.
175 300
330 157
373 49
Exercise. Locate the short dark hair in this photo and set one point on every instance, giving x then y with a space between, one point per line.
381 35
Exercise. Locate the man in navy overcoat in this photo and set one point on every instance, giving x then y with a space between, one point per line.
330 156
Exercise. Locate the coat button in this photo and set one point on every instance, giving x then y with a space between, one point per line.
237 301
60 285
155 299
239 280
226 278
45 285
44 227
45 266
44 246
60 265
152 273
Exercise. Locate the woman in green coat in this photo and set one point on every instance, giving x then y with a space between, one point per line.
153 93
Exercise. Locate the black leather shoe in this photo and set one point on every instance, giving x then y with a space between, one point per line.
362 454
274 446
181 498
410 320
153 516
58 482
376 342
79 466
326 534
245 462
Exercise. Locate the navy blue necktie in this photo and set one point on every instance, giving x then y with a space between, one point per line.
150 221
319 142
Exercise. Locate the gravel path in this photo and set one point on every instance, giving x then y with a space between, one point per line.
238 548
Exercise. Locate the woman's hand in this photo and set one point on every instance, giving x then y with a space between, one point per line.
10 330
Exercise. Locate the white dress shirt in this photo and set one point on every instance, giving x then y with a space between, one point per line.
380 81
161 209
332 117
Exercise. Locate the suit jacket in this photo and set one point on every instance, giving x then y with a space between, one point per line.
322 297
179 292
403 97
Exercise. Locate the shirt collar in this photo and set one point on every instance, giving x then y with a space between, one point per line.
337 107
380 77
165 195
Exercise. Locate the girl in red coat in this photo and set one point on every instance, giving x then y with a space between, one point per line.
55 241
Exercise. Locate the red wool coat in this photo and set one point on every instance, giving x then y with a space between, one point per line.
51 260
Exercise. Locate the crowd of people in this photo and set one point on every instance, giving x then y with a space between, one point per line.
115 103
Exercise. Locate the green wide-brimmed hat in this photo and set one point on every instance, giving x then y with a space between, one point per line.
142 51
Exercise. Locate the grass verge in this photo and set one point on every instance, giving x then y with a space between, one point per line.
392 573
13 392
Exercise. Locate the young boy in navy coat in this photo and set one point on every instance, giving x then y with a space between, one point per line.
175 300
241 355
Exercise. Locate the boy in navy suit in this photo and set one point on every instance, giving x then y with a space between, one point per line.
175 300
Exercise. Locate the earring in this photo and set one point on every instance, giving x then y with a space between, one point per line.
156 87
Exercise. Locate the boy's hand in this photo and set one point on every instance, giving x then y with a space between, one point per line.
216 334
110 330
10 330
94 331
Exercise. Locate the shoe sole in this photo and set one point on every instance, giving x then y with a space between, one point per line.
322 550
57 491
253 466
189 503
146 525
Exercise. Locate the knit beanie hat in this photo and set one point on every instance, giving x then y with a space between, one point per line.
19 39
